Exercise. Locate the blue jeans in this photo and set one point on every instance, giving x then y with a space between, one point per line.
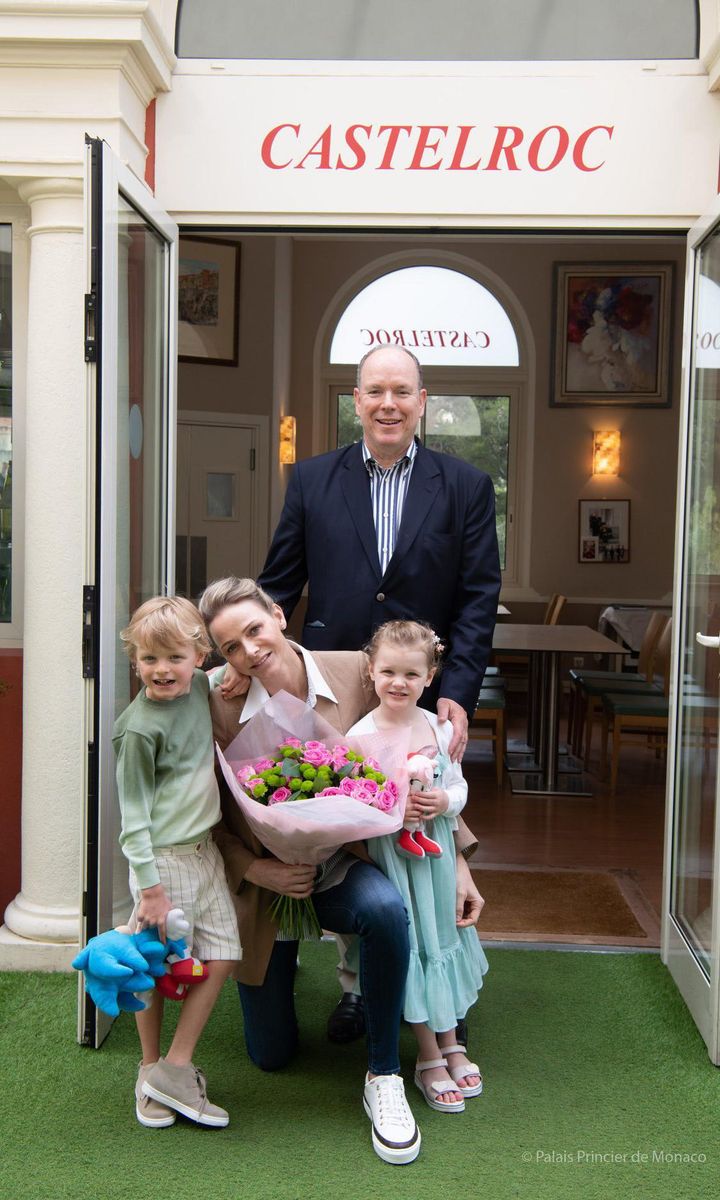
366 904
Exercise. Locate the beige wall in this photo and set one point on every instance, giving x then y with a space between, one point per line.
561 449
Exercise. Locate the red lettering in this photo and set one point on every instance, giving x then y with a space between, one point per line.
371 339
581 143
399 337
382 337
457 163
319 149
426 336
423 144
267 147
468 343
454 337
415 341
352 143
483 339
560 152
394 131
440 335
516 136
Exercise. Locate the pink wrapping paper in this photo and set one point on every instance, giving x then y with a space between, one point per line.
309 831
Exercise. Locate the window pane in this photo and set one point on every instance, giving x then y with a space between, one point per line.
476 429
349 428
474 30
5 424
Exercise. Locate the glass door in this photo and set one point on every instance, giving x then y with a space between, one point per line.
130 347
691 930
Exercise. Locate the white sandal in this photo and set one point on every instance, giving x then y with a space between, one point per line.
439 1089
462 1072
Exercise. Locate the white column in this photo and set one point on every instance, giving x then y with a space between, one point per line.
42 923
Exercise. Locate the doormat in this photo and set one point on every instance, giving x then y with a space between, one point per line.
588 907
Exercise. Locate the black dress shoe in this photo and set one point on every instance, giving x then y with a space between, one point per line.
347 1021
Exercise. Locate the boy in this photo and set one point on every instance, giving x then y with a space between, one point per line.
169 802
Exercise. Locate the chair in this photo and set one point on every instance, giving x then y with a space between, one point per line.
512 659
488 721
587 687
629 714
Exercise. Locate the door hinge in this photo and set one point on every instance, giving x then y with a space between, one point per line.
90 327
252 459
88 632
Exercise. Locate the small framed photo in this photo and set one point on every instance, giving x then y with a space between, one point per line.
612 335
604 531
208 301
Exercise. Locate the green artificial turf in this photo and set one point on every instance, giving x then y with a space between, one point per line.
586 1057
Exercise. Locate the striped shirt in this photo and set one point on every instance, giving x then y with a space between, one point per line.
388 489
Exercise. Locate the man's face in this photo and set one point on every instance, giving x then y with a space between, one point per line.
389 403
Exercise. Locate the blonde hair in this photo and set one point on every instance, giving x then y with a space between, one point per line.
165 622
408 633
222 592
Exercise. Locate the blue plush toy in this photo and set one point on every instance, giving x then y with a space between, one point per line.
120 966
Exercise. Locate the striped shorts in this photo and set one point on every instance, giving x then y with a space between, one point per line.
194 878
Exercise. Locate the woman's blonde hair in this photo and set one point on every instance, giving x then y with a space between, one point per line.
231 590
407 634
163 623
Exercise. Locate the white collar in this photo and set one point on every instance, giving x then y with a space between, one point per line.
317 686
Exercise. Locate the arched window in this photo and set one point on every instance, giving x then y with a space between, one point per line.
466 343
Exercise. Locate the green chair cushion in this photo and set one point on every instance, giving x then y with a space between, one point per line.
631 705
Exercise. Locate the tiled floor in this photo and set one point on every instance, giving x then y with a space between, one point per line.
602 832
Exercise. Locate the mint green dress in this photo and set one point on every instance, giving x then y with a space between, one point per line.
447 964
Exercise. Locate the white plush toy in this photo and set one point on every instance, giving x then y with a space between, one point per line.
412 841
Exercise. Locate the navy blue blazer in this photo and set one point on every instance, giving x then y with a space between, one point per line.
445 569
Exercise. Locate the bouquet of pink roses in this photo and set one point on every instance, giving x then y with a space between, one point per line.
305 790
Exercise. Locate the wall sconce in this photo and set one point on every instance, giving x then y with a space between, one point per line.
606 452
287 440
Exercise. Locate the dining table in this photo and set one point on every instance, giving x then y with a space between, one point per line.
539 773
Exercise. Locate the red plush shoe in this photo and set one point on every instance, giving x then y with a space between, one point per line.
180 976
427 844
406 845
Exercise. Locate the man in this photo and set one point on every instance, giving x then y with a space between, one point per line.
385 529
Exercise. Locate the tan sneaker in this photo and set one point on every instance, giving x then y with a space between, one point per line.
184 1089
147 1110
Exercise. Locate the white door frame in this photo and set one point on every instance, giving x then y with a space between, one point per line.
702 995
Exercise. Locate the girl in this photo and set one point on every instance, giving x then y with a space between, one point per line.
447 964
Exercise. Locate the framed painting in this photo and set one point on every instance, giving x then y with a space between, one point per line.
604 533
208 301
612 335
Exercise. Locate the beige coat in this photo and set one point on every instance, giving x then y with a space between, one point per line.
344 671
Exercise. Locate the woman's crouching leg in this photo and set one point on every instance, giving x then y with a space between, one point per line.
271 1028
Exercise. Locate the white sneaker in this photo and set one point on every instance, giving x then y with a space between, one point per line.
395 1136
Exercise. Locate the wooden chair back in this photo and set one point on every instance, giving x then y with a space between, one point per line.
556 604
648 646
661 664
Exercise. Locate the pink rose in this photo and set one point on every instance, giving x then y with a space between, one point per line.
280 795
391 789
372 763
246 773
264 764
370 786
316 755
292 741
347 786
361 793
331 791
383 800
338 757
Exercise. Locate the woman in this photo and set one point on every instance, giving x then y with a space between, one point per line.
354 898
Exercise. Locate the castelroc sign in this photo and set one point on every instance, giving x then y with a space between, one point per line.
360 147
359 143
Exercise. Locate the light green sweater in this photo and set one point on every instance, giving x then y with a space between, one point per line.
165 775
